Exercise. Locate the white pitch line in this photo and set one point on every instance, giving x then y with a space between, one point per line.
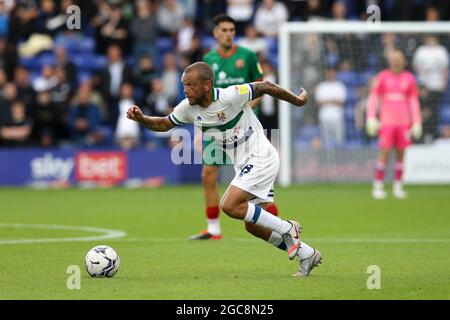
330 240
114 234
106 233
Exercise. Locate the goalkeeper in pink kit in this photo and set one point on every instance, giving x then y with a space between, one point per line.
395 96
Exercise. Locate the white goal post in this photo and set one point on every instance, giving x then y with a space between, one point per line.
289 29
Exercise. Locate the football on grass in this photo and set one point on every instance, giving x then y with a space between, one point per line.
102 261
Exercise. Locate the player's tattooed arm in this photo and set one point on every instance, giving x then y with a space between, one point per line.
152 123
276 91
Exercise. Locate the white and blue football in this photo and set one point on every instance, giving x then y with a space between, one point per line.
102 261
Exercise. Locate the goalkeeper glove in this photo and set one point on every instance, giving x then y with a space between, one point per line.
416 131
372 127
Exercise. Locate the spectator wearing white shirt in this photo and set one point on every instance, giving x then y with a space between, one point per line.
431 64
170 17
331 95
171 76
127 132
269 17
241 11
185 36
46 81
254 41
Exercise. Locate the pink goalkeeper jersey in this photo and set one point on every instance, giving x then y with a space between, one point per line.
398 99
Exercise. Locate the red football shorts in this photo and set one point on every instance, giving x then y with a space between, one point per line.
398 137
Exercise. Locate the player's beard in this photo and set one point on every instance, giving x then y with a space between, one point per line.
197 101
194 101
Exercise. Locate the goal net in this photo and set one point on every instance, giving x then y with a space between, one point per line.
326 141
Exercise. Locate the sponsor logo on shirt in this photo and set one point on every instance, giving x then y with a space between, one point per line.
242 89
229 81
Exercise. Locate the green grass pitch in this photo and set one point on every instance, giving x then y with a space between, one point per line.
408 240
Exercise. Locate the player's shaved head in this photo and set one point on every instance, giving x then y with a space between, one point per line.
198 82
203 70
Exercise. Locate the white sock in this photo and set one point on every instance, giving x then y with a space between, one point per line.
277 240
305 251
378 185
261 217
214 226
398 185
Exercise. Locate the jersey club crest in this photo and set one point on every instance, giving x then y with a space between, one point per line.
221 116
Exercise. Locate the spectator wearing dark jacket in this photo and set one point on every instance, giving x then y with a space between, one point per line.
85 120
112 77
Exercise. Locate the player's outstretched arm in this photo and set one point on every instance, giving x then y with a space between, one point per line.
151 123
276 91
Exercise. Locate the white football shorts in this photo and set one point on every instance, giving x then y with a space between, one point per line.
257 175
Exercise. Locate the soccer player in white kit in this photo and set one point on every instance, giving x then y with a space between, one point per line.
225 116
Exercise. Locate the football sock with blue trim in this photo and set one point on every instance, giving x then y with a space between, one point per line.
260 217
277 241
304 252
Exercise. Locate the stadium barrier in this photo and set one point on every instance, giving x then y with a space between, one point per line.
44 168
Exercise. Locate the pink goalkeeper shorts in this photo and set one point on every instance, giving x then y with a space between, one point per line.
398 137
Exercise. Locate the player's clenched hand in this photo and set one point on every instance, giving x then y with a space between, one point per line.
303 97
416 131
135 113
372 127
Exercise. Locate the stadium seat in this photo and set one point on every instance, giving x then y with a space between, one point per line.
87 45
332 59
208 42
273 46
353 144
351 96
373 62
90 62
37 62
83 76
444 114
76 45
164 45
349 78
363 78
349 112
30 63
34 75
304 136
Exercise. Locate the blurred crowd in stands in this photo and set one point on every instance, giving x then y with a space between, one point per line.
62 87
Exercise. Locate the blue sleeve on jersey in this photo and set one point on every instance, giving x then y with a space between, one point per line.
253 92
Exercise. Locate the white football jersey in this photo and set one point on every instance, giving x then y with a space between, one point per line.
228 120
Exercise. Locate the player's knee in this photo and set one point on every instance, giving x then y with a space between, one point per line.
229 207
226 206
